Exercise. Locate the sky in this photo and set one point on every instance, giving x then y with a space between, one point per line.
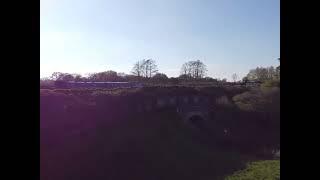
228 36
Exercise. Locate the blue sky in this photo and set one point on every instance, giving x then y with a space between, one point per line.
229 36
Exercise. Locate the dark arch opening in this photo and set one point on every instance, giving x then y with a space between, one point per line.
197 121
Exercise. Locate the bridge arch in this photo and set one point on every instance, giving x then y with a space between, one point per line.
195 118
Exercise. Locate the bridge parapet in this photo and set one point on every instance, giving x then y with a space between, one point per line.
182 104
181 100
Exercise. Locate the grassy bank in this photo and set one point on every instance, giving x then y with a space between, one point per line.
92 134
267 170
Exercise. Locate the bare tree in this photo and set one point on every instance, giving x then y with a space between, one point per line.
278 71
77 77
277 76
271 72
146 68
56 75
199 69
186 69
138 69
195 69
234 77
150 68
262 74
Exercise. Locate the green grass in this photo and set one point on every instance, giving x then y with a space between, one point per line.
260 170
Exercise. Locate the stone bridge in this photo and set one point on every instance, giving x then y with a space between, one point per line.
194 109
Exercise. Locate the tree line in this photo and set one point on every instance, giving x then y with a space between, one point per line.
146 70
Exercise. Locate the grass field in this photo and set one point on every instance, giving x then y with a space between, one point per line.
260 170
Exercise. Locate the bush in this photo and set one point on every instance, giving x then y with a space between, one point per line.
250 101
46 84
